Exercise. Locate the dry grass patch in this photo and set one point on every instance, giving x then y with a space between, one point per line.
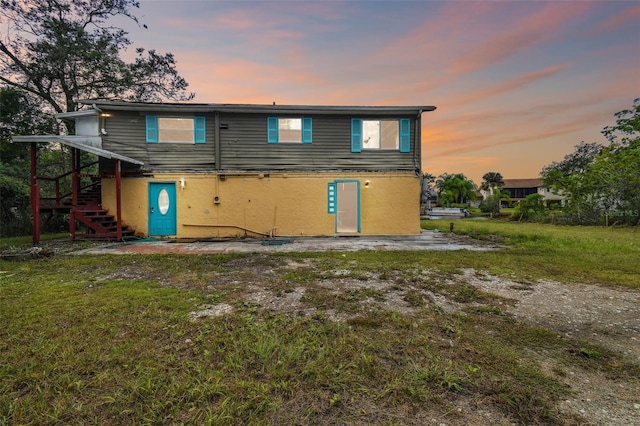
317 338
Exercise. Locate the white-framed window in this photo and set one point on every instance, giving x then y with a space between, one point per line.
289 130
186 130
382 134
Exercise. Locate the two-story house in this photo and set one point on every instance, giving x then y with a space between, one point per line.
222 170
519 189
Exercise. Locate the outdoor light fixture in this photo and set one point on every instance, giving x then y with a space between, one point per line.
103 122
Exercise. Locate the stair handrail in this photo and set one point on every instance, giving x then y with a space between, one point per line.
59 198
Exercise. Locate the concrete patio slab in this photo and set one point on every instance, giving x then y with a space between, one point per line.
427 240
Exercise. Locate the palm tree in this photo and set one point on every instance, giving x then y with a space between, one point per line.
455 187
492 181
428 177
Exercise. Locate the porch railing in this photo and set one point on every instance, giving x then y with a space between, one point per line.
58 199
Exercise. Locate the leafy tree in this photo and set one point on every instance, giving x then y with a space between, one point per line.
492 181
18 116
492 203
531 208
428 178
603 180
60 51
615 179
616 172
627 129
574 163
56 52
569 178
455 188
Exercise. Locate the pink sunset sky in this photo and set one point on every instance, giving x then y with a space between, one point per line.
517 84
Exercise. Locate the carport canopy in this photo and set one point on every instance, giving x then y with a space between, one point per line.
91 144
84 143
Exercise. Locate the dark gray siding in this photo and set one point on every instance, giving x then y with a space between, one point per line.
126 135
244 146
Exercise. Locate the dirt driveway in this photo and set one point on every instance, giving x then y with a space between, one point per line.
609 316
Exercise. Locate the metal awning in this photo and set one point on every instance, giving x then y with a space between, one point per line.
84 143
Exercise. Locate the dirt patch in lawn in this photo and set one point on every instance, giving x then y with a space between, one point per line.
601 317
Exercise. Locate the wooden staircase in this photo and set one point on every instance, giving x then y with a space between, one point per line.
99 223
83 204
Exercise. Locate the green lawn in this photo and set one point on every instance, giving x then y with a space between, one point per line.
588 254
110 340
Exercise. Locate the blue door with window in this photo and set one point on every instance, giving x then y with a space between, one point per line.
162 209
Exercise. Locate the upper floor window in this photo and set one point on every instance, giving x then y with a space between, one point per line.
175 129
289 130
380 134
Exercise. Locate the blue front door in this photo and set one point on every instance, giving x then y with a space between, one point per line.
162 209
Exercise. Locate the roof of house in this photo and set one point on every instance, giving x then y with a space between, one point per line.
523 183
255 108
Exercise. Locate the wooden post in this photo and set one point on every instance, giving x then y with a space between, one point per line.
35 196
74 193
118 201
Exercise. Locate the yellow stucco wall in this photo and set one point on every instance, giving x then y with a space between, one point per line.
278 204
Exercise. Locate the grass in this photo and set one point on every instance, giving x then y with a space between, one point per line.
109 339
11 243
565 253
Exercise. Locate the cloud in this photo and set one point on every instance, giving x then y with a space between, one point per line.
507 86
507 77
456 42
629 16
525 132
546 23
240 80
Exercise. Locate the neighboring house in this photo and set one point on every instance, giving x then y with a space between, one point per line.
519 189
480 196
225 170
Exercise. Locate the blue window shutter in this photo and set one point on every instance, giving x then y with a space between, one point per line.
272 129
405 135
200 132
356 135
307 133
152 129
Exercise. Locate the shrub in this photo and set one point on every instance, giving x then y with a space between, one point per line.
531 209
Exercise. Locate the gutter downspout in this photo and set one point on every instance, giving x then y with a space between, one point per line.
418 150
216 142
35 195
